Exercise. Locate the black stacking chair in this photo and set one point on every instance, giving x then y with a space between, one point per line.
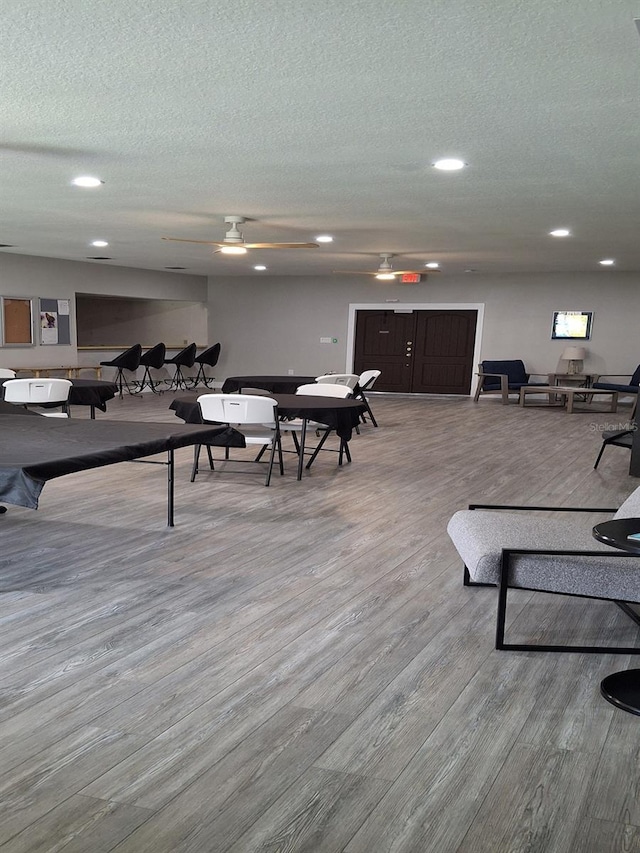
616 438
127 360
185 358
153 357
209 358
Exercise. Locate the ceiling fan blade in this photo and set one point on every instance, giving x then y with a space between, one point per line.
355 272
183 240
281 245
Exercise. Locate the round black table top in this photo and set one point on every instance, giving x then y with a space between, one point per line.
622 689
616 533
283 384
340 414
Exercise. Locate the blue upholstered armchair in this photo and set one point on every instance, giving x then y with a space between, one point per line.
626 386
504 377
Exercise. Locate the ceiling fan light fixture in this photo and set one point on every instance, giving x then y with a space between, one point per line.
449 164
324 238
560 232
87 181
386 276
233 250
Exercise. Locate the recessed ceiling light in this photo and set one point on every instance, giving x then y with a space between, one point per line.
449 164
607 262
324 238
260 267
560 232
87 181
233 250
432 265
99 243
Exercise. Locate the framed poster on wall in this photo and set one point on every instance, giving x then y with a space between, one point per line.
571 325
17 321
55 322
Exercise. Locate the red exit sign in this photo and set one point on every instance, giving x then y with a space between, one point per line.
410 278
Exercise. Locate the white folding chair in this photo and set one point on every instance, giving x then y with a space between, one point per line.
7 373
39 392
366 381
348 379
296 426
253 416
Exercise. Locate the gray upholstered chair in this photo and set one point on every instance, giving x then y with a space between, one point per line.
516 547
628 386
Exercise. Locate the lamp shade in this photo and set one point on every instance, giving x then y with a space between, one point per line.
573 353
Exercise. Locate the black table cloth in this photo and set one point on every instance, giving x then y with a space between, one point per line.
92 392
276 384
36 449
341 415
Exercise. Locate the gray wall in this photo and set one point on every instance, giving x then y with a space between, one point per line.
269 324
22 275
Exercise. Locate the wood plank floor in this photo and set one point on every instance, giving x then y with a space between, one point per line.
299 668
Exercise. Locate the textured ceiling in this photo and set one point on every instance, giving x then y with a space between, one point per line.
323 117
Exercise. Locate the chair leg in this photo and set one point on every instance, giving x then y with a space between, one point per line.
597 462
196 457
325 436
364 400
147 382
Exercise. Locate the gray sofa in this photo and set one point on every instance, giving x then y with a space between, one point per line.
515 547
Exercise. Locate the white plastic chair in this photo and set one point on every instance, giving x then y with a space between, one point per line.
366 381
254 416
295 426
39 392
324 389
7 373
348 379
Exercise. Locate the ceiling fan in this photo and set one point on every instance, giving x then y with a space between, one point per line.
385 271
234 244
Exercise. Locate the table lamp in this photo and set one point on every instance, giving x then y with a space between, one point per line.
575 356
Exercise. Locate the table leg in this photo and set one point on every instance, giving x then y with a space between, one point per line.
614 401
170 472
569 395
303 436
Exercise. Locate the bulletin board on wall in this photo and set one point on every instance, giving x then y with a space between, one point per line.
16 317
55 322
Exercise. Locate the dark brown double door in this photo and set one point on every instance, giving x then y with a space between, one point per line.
429 352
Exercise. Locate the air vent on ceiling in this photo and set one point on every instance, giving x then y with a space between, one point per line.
175 268
6 246
99 259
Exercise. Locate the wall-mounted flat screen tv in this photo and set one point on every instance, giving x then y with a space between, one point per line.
572 325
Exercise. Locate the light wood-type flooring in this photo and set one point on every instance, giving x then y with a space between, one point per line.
299 668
